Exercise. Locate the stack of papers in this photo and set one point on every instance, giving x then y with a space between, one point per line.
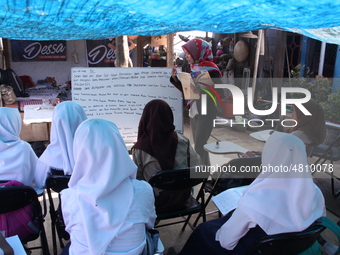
227 200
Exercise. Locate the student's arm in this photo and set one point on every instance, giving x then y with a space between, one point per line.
234 229
132 44
5 247
147 165
174 80
41 173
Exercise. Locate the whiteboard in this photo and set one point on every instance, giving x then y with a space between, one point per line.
120 94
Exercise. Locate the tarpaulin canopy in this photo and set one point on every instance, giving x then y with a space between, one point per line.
99 19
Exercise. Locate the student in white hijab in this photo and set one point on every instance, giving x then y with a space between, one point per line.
17 158
279 200
58 156
106 210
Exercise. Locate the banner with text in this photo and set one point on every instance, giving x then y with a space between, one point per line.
24 51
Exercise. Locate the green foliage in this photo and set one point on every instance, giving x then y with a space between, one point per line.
321 91
332 107
320 87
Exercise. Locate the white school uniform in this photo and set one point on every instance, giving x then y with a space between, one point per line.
279 201
59 153
106 210
17 158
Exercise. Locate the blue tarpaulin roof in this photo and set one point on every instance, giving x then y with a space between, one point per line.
99 19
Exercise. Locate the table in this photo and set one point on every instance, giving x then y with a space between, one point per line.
262 135
225 148
332 124
36 114
36 122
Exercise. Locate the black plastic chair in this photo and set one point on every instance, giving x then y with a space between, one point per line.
57 183
226 180
329 150
288 243
179 179
16 197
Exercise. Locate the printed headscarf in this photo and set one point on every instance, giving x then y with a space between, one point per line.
201 52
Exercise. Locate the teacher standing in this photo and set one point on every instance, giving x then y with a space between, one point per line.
199 55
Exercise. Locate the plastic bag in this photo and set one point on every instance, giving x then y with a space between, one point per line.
7 94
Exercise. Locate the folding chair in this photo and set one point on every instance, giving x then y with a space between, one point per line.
289 243
16 197
57 183
179 179
234 179
329 150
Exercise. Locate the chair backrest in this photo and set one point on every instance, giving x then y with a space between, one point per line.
247 168
57 182
174 179
288 243
332 136
16 197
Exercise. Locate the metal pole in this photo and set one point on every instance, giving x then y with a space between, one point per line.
257 55
322 58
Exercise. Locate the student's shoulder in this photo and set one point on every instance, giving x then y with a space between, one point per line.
141 185
182 137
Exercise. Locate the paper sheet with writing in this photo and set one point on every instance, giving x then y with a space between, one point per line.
228 199
193 82
16 245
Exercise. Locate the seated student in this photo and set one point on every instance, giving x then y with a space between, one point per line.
17 158
58 156
311 129
106 210
276 202
159 148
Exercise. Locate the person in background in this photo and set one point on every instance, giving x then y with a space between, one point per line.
106 210
311 129
158 148
17 158
276 202
57 159
199 55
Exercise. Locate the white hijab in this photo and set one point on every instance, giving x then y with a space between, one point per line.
281 202
17 158
101 181
59 153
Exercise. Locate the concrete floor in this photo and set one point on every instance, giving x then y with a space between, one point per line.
172 236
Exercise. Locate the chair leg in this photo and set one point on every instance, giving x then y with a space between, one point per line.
186 222
54 238
205 205
43 238
334 193
53 222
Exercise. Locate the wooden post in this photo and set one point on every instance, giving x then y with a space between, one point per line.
279 58
170 50
122 52
140 50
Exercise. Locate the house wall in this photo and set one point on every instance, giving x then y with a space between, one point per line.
61 70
